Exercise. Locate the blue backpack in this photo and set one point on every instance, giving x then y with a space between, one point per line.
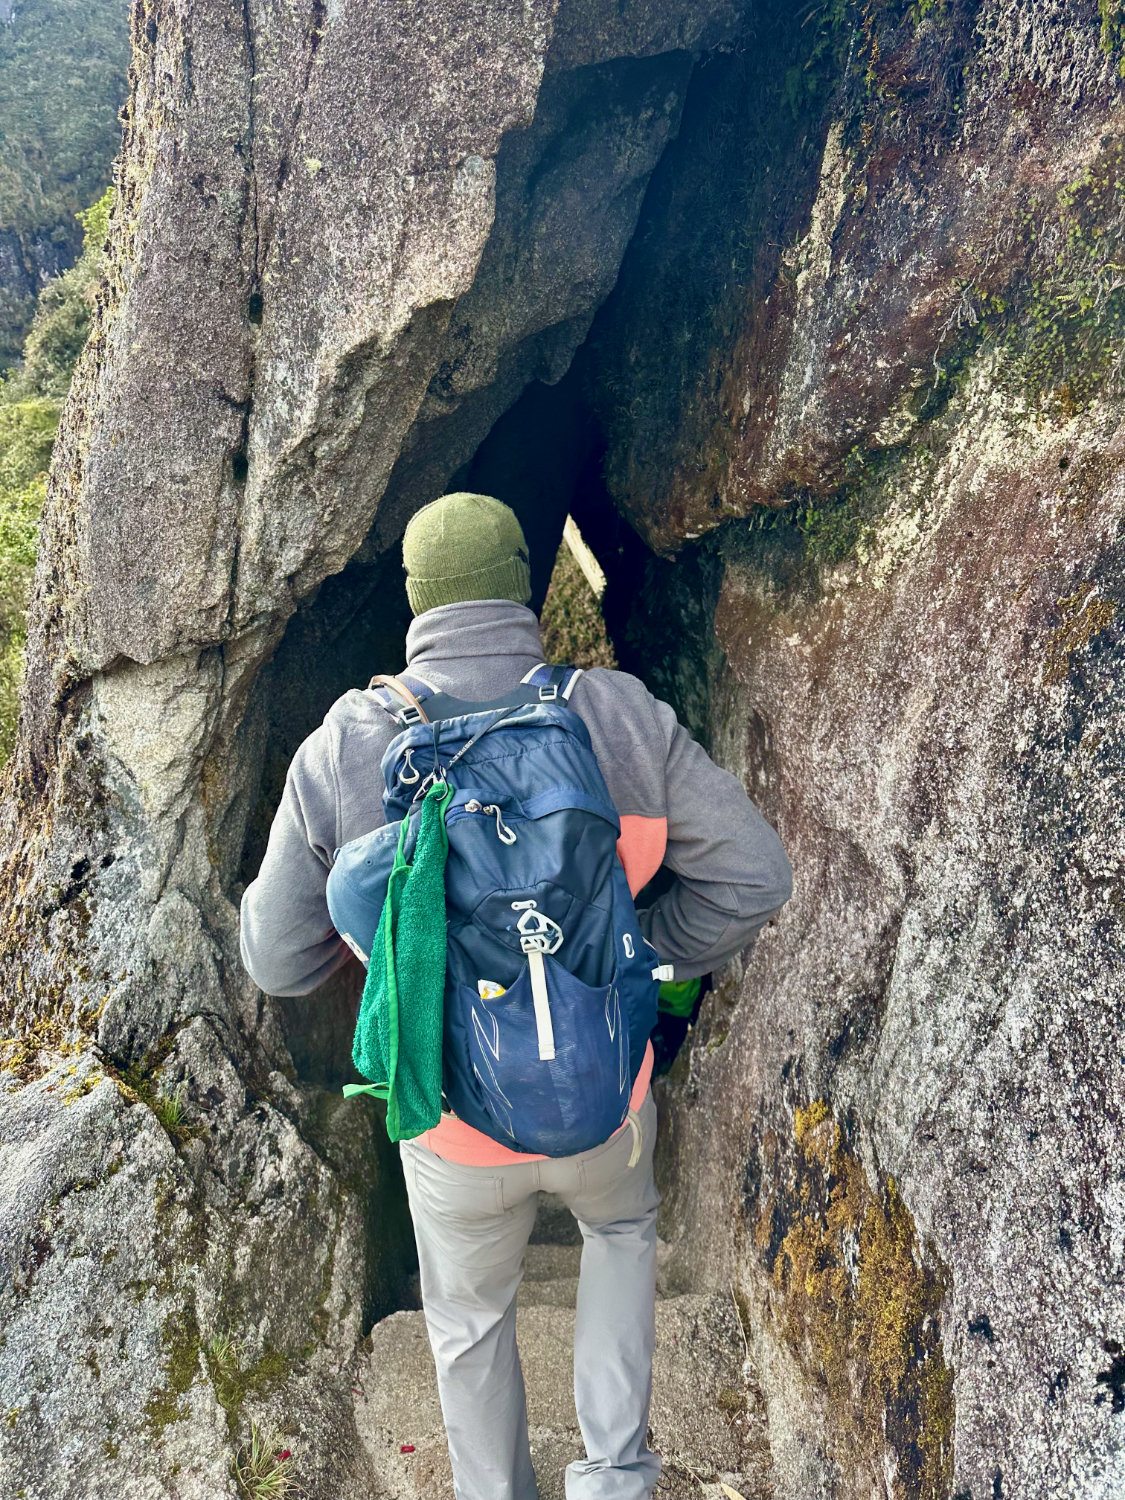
550 988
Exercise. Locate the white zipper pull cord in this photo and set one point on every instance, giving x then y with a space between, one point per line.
408 765
539 999
539 934
503 832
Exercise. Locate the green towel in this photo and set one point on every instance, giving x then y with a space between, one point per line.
678 997
399 1029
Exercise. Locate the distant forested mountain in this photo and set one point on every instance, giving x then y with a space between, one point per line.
63 66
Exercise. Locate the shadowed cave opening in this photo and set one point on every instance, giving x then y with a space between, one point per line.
596 437
545 458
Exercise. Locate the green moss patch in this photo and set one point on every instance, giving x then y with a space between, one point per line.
180 1337
858 1300
794 545
1112 15
1064 332
233 1383
571 623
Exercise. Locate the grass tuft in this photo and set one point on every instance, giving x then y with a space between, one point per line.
263 1469
223 1351
169 1110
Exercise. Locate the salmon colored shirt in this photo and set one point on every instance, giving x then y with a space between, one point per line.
641 850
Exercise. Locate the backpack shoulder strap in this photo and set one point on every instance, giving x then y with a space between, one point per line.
402 697
553 683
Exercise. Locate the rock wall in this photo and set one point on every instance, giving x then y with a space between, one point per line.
316 211
898 1129
828 304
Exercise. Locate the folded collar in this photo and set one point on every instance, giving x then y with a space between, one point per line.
474 627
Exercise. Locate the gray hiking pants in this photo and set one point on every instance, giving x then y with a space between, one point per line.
472 1226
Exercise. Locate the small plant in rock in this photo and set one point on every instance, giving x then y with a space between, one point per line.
169 1110
264 1469
138 1086
223 1353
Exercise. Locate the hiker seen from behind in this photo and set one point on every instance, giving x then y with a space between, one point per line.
486 878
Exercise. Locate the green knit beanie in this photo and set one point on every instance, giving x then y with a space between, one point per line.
464 547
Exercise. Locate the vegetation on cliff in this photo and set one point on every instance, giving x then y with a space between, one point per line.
31 399
860 1301
63 66
572 625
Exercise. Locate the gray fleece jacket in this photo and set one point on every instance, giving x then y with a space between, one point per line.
677 807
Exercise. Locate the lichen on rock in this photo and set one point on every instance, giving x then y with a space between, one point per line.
859 1302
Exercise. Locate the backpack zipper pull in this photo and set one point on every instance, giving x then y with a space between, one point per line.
542 1006
505 834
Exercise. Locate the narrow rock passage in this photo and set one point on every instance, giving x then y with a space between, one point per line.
708 1419
818 333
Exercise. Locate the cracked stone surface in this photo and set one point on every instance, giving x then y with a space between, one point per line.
896 1127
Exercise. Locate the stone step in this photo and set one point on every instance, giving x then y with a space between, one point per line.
551 1262
550 1276
559 1291
707 1412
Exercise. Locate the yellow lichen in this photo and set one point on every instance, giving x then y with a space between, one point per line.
808 1119
1083 616
890 1290
861 1308
83 1087
35 1051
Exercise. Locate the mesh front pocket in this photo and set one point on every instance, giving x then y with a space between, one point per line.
560 1105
